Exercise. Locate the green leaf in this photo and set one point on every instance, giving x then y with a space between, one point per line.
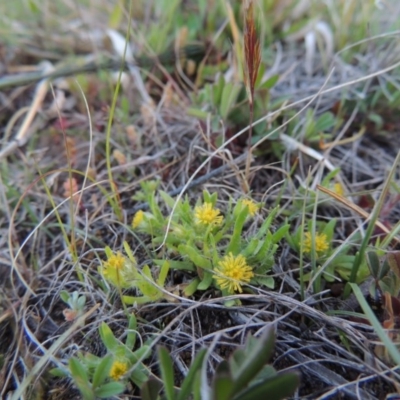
267 281
250 249
167 372
280 233
108 337
185 265
129 300
206 281
191 288
163 274
110 389
129 253
373 263
234 244
229 97
222 387
116 15
77 369
102 371
276 388
390 346
187 384
150 389
195 256
59 372
270 82
385 268
80 378
325 122
64 296
169 201
131 332
267 223
258 352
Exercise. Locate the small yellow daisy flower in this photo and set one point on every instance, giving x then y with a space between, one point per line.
233 272
114 269
321 243
208 215
137 219
253 207
118 370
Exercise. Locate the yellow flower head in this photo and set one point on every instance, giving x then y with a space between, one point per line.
321 243
253 207
114 270
208 215
118 370
233 272
137 219
338 188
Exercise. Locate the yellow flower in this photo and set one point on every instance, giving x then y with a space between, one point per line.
114 270
321 243
253 207
233 272
338 188
207 215
137 219
118 370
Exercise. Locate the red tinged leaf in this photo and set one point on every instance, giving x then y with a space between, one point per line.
393 259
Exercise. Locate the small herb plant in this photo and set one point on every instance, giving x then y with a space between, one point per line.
245 376
123 273
317 245
102 377
209 244
76 305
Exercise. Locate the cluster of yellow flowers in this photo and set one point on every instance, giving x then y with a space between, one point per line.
321 244
118 369
116 270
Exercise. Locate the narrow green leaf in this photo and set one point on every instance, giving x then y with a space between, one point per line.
191 287
59 372
391 348
206 281
116 15
270 82
131 333
187 384
110 389
64 296
267 281
108 337
163 274
373 263
325 122
280 233
186 265
150 389
167 372
195 256
80 378
222 387
102 371
276 388
169 201
258 352
234 243
77 369
129 252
